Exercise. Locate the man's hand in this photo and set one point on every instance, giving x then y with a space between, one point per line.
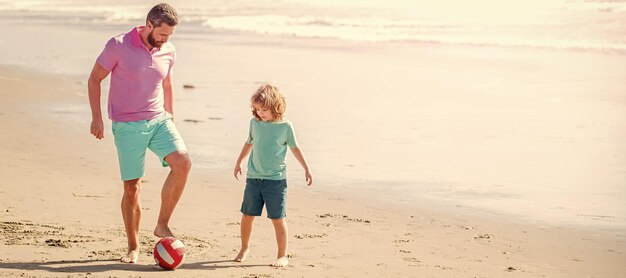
97 128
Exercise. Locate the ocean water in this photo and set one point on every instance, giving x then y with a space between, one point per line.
569 24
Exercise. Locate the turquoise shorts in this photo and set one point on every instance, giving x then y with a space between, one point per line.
272 193
133 138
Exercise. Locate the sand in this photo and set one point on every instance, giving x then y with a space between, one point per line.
60 216
430 160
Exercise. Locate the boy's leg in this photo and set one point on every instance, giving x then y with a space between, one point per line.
251 206
246 232
275 195
180 165
131 212
280 228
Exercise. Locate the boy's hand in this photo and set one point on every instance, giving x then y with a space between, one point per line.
309 178
237 171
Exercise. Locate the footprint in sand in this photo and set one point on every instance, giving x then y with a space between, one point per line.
303 236
444 267
58 243
345 217
412 261
27 233
485 236
254 275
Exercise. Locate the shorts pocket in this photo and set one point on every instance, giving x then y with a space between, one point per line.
123 128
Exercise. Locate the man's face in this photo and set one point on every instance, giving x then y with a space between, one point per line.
159 35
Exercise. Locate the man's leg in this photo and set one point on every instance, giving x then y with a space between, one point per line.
180 165
131 212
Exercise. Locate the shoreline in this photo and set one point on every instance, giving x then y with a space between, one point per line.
201 26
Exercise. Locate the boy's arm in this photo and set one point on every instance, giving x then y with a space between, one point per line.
98 73
300 157
244 152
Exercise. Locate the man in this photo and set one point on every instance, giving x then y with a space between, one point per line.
140 104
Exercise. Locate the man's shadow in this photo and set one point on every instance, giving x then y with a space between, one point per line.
95 266
78 266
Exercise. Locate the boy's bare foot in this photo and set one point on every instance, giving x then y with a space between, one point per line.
280 262
163 231
131 258
242 256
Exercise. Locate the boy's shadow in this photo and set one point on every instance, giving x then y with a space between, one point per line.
210 265
95 266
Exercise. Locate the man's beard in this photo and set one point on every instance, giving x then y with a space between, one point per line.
152 41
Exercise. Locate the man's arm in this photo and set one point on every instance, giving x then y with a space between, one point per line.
98 73
168 95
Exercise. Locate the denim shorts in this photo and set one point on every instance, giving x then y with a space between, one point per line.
271 193
133 138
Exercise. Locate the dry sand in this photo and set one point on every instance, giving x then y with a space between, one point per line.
60 216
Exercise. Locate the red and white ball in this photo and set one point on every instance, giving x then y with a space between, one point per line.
169 253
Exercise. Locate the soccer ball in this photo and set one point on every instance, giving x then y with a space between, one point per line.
169 253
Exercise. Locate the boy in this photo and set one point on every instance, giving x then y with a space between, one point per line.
268 139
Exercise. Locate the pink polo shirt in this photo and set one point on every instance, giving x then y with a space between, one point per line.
136 91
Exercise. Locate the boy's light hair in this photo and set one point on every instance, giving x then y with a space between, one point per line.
268 96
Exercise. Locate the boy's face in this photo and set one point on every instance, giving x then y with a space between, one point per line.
263 112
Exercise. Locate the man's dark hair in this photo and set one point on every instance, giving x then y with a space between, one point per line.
162 12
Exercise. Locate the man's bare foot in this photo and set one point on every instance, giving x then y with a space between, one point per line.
242 256
131 258
280 262
163 231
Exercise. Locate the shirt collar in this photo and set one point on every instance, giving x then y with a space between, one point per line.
135 37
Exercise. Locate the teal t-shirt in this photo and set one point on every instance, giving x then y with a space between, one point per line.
269 148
